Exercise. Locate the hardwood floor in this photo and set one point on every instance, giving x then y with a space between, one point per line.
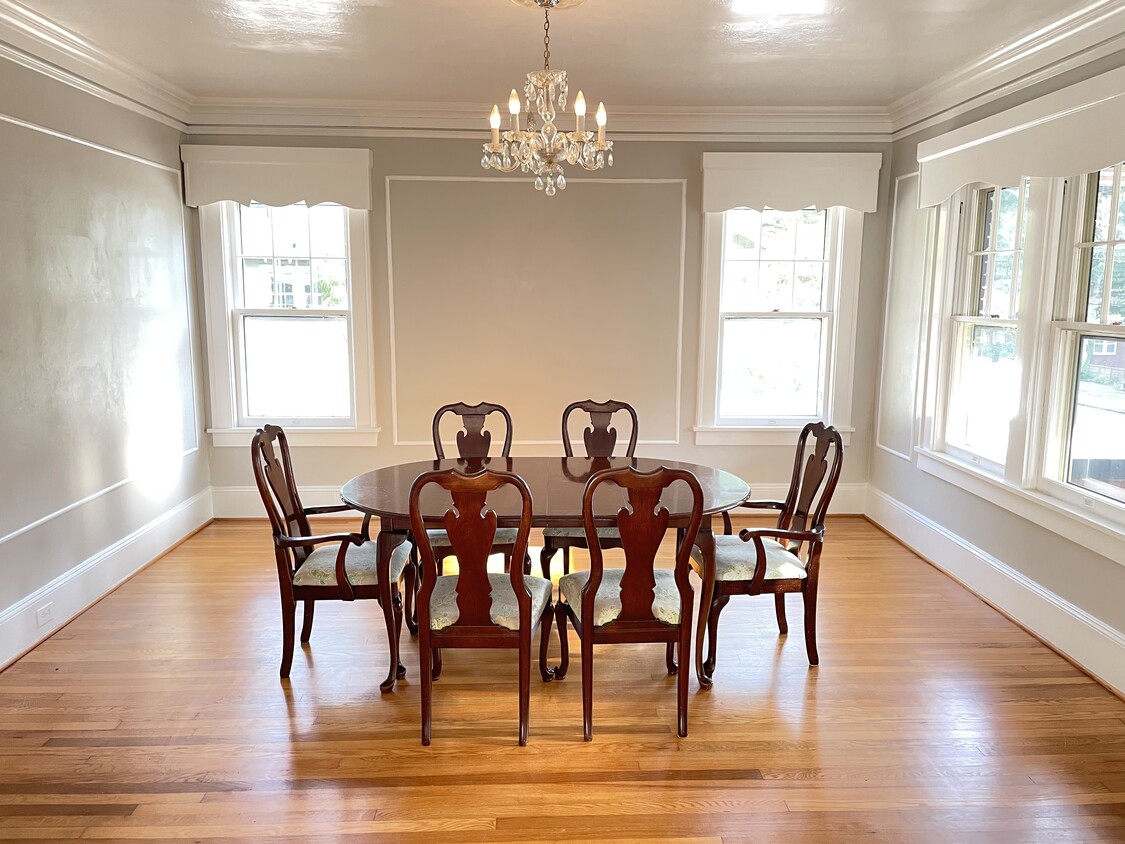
158 715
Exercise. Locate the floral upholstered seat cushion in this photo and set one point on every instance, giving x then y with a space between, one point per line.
580 532
735 560
320 567
504 611
607 603
504 536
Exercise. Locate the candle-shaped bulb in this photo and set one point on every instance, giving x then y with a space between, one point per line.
513 102
580 111
494 122
601 123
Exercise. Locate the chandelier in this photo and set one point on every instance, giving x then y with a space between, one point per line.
541 148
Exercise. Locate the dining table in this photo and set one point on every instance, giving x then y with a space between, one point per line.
556 485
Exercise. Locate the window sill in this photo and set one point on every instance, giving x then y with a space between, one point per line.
1094 530
756 435
299 437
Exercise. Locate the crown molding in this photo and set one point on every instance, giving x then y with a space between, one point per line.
452 120
33 41
1095 31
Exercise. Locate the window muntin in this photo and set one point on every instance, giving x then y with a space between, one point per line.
775 322
1101 253
985 377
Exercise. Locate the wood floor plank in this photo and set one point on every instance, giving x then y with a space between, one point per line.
158 716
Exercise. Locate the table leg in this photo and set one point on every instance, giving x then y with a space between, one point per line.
705 541
385 544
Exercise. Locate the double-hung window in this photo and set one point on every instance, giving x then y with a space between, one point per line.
985 375
1087 449
779 296
287 318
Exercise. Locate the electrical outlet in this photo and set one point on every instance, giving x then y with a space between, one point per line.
43 615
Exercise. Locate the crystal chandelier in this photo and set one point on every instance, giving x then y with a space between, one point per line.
541 148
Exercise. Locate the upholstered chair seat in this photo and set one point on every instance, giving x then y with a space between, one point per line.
504 610
735 560
580 533
440 539
607 603
320 567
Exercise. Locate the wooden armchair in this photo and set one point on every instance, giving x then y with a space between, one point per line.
640 603
600 440
770 560
476 608
343 568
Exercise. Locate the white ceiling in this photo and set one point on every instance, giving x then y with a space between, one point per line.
651 54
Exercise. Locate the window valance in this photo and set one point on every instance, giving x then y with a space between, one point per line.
1077 130
277 175
788 181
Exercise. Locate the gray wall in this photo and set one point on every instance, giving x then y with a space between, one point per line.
98 351
561 329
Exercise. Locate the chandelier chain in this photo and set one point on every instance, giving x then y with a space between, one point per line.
546 39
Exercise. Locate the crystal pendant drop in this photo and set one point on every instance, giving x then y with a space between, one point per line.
550 189
561 182
484 161
609 158
539 183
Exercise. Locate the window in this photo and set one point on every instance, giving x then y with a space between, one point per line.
985 376
286 290
1090 387
778 323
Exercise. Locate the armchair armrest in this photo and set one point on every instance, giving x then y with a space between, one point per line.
327 508
753 504
746 534
345 539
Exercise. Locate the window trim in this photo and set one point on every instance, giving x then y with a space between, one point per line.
847 238
222 329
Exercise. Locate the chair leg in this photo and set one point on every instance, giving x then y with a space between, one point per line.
686 631
437 663
396 602
566 559
779 605
564 642
717 606
288 629
545 558
425 667
670 659
588 687
544 637
306 626
810 622
525 685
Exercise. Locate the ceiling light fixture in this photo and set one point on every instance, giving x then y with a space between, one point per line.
541 148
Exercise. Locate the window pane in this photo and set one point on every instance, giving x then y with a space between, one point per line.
1097 449
1002 280
740 286
1096 284
775 286
257 230
743 232
1103 210
328 231
987 200
985 391
258 289
779 235
770 368
981 263
296 367
330 276
293 280
1117 287
808 286
812 230
1009 217
291 231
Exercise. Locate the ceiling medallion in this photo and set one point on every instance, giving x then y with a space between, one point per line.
541 148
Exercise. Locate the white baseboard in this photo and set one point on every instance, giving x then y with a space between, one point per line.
85 584
243 502
1091 643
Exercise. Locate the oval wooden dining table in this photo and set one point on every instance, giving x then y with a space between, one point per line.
556 485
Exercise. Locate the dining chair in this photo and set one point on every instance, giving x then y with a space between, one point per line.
310 567
476 608
639 603
473 444
599 439
770 560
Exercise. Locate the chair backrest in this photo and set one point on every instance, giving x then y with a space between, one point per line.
600 438
273 473
471 528
474 441
642 523
812 485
